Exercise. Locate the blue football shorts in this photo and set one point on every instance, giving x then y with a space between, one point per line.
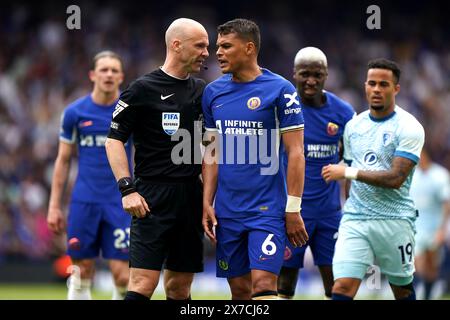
93 227
250 243
323 234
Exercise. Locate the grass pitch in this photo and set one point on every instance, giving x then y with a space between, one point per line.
59 292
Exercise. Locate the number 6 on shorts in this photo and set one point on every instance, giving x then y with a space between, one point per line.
268 247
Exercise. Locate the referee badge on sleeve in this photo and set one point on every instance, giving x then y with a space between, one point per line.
170 122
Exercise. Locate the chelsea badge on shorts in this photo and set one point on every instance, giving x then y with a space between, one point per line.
170 122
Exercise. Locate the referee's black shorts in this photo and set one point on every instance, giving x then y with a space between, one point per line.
172 235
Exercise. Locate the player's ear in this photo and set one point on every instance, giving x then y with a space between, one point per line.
294 76
121 78
397 88
176 45
250 48
92 75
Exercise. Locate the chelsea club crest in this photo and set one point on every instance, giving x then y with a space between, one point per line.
253 103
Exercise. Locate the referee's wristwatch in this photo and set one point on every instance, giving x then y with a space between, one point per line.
126 186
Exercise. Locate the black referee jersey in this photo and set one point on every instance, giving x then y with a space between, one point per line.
153 108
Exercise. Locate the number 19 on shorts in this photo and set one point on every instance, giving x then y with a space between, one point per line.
406 251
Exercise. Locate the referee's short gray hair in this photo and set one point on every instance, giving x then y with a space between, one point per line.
310 55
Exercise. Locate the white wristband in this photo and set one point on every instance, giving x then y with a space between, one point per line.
293 204
351 173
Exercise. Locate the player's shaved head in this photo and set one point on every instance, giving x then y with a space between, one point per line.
182 29
310 55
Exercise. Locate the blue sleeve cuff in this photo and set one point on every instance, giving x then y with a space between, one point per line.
407 155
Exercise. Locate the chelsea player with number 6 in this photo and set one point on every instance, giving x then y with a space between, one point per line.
257 204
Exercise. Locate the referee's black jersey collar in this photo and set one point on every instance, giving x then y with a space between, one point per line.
176 78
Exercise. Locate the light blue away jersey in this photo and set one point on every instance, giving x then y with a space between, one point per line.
249 118
429 190
371 144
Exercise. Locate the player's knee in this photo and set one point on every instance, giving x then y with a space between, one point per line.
86 268
241 290
343 287
178 288
262 284
405 292
121 279
142 284
287 282
328 288
120 272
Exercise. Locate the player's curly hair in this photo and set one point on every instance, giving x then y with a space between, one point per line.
382 63
244 28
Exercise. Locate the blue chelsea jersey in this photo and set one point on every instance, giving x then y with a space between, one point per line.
324 128
86 124
249 118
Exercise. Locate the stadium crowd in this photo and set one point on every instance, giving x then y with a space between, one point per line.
43 67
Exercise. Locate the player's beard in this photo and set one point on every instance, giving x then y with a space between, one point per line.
377 108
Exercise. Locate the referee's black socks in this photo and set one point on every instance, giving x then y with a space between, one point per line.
132 295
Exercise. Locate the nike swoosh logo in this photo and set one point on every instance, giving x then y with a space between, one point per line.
165 97
219 105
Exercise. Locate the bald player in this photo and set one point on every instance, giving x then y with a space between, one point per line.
165 199
325 118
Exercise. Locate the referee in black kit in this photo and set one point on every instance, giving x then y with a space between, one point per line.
165 200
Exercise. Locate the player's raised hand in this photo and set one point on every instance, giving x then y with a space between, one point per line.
56 221
295 229
135 205
333 172
209 222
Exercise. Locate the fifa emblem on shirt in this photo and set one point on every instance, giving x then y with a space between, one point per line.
332 128
253 103
387 138
170 122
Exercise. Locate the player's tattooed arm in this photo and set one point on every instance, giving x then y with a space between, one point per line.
393 178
